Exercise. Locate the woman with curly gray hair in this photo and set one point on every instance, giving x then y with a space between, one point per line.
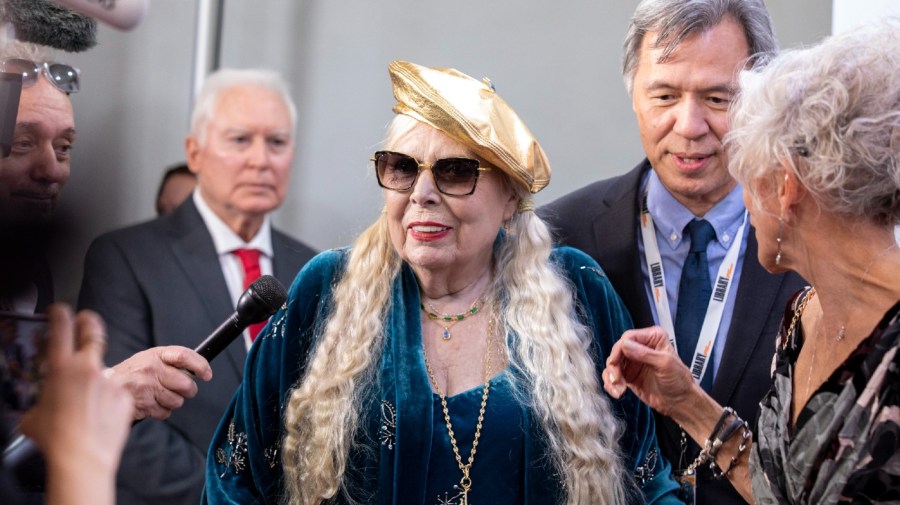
815 141
451 356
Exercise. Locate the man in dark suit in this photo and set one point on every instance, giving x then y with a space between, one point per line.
641 226
173 280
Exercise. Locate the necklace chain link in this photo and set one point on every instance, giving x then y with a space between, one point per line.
465 483
446 321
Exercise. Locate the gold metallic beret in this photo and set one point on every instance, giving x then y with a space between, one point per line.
470 112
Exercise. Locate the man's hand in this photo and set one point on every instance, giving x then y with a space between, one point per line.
158 379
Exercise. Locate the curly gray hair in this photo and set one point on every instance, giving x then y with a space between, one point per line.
831 114
675 20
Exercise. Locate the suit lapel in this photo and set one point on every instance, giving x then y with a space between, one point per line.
755 302
282 265
194 250
615 237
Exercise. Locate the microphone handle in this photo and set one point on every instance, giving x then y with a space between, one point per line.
219 339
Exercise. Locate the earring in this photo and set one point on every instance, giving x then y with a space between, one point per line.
778 240
506 227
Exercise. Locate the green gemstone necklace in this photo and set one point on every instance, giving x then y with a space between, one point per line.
446 321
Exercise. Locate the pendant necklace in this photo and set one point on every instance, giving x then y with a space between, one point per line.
446 321
465 483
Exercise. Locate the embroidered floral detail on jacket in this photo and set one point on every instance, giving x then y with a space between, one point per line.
647 470
388 430
277 329
235 454
271 455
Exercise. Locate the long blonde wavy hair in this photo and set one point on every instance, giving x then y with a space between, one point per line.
549 351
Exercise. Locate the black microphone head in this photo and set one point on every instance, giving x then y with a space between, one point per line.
262 299
46 23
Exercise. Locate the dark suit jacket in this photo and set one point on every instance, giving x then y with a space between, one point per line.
160 283
602 220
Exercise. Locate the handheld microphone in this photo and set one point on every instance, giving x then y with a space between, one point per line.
121 14
261 299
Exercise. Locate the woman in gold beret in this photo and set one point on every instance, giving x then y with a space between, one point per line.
451 355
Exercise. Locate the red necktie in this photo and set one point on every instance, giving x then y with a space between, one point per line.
250 261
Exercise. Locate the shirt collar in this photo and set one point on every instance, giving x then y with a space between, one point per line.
670 216
225 239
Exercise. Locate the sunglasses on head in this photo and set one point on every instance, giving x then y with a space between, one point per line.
65 77
452 176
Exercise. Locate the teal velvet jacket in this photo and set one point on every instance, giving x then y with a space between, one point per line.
244 462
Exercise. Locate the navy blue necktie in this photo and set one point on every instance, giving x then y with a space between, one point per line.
693 295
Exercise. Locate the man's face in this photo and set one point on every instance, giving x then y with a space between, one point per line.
243 170
681 106
33 175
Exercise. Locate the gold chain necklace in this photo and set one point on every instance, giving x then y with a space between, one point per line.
808 341
465 483
445 321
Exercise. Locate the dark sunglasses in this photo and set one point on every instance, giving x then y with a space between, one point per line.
65 77
452 176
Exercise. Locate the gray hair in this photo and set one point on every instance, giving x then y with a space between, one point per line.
675 20
25 51
225 79
831 114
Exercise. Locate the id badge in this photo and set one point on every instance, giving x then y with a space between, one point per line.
688 487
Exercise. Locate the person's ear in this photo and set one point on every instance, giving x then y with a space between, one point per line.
192 153
789 191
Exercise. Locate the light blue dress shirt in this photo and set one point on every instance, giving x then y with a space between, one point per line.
670 217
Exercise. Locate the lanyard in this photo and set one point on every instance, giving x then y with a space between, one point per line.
716 307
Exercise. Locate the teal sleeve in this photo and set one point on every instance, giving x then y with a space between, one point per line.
243 464
608 318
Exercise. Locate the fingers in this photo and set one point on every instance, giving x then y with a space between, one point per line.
60 340
90 335
161 406
611 383
186 359
158 379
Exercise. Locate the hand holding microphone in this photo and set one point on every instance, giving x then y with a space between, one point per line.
155 377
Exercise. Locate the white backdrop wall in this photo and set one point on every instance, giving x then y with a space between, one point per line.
556 62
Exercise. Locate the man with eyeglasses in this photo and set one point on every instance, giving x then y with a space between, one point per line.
672 234
173 280
33 173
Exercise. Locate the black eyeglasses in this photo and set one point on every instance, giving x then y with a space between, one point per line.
65 77
452 176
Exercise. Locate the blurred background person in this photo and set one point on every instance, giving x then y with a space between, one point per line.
33 175
815 142
173 280
451 325
176 186
31 180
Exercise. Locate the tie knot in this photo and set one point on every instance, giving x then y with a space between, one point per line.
248 256
252 254
701 232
